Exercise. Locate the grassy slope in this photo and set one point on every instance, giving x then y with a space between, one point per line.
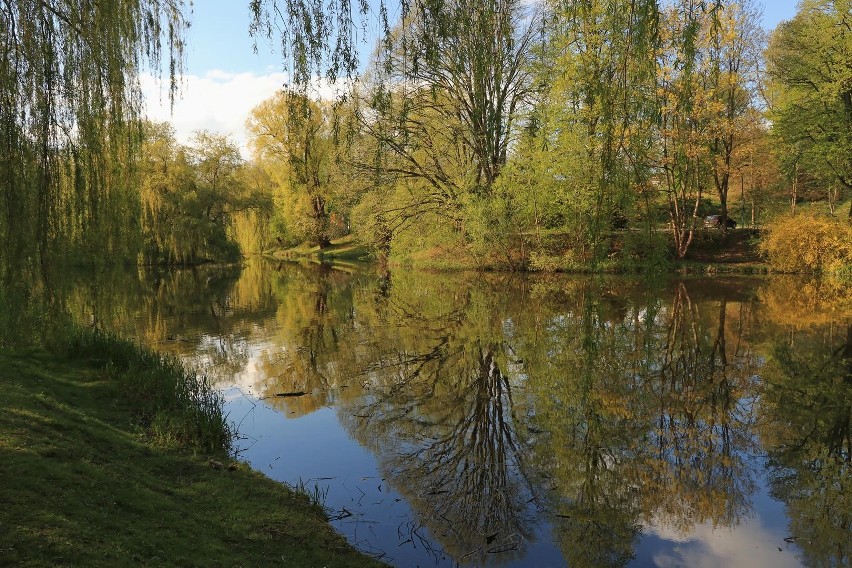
342 249
82 485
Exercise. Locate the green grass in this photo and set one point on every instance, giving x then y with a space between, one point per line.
342 249
96 473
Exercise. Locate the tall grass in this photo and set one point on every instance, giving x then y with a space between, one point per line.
174 405
316 495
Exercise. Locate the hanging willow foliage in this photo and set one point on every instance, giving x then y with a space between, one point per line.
69 100
318 38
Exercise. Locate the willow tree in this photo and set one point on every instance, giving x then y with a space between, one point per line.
466 63
442 104
70 94
292 138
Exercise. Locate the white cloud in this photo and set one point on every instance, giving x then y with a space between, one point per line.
748 544
218 101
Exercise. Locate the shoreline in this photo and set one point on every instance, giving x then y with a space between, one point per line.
89 481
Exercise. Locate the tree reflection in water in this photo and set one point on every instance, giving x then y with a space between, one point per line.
646 420
808 436
631 413
504 410
440 403
451 448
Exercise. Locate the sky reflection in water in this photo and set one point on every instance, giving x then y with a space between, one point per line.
538 421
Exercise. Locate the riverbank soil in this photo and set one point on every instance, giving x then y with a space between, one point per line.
734 246
81 484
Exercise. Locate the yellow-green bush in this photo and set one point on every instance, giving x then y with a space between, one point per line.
808 243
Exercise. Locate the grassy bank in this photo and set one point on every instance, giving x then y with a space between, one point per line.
109 456
344 249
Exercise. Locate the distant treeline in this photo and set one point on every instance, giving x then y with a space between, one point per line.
591 135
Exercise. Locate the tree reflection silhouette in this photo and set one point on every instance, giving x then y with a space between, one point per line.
807 431
442 403
645 421
628 416
502 408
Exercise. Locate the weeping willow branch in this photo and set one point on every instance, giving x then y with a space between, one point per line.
68 123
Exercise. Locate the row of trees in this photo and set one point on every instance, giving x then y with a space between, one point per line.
509 133
199 202
568 120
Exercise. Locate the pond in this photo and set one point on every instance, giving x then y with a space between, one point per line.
470 419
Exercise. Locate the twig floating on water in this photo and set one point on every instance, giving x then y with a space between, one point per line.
344 512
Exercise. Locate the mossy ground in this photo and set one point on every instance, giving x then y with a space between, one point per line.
84 483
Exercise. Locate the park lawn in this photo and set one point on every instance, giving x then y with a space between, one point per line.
83 483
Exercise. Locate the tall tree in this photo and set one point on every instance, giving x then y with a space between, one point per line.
707 59
734 42
810 95
292 136
165 179
682 154
592 117
197 199
449 85
216 161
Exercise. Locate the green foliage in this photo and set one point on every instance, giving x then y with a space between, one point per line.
492 226
551 183
643 251
316 39
69 91
590 127
808 243
431 240
293 140
808 400
199 202
441 124
810 67
573 119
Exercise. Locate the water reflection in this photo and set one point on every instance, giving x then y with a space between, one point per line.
808 436
611 420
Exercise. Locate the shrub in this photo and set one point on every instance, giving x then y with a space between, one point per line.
173 404
808 243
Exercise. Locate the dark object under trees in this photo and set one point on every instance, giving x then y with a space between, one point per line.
715 222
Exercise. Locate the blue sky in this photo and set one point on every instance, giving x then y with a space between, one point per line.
224 79
219 37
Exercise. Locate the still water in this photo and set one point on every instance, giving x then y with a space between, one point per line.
495 420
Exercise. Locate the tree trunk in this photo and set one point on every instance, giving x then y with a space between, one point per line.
795 189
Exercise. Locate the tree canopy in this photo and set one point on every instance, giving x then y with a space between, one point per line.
510 134
810 90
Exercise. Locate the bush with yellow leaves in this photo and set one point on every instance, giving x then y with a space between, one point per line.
809 243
